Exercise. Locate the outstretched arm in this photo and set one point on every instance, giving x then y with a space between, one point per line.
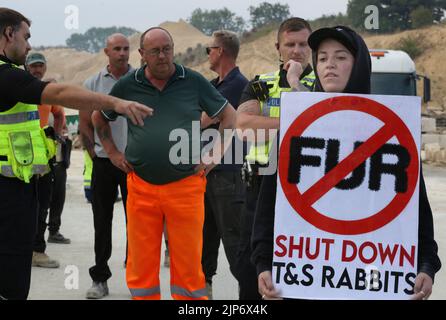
79 98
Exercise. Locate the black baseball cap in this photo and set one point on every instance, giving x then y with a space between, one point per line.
343 34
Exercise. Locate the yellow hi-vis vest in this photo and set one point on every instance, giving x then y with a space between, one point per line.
88 170
24 148
271 108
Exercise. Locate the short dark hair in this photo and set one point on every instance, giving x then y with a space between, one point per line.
141 40
293 24
229 41
11 18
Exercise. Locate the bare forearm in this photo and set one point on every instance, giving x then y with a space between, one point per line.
58 123
103 130
247 121
256 128
251 125
86 130
76 97
226 129
88 143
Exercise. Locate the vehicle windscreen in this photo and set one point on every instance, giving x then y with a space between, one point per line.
394 84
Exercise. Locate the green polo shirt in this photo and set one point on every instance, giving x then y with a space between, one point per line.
186 95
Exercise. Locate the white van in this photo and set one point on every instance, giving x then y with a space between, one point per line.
394 73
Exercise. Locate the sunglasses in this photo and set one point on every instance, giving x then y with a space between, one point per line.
208 49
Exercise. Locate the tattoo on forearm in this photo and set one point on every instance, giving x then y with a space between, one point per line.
87 142
104 133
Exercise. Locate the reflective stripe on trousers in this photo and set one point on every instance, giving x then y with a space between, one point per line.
156 291
185 293
144 293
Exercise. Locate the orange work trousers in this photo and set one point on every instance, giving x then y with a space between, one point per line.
181 205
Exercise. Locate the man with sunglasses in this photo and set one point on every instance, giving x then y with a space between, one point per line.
224 190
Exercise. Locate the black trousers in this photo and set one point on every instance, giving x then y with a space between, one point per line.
57 197
104 186
44 187
224 199
18 220
51 197
245 270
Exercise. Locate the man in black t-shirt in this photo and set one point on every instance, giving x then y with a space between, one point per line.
18 199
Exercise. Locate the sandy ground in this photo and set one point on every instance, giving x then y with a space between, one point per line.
77 224
71 280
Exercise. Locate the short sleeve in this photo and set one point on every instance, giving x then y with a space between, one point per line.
117 92
19 86
211 101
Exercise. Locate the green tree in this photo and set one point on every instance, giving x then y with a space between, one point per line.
93 40
395 15
413 45
267 13
330 21
222 19
421 17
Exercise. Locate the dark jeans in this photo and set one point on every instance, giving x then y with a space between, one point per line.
18 219
223 204
57 197
104 185
245 270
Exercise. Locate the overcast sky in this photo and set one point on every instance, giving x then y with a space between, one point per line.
49 17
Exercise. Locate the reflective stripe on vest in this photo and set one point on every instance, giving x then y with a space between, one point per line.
19 117
7 171
24 147
271 108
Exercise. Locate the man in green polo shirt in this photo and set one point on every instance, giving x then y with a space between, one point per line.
165 185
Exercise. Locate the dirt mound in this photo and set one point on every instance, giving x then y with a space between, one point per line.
255 57
184 35
259 56
70 66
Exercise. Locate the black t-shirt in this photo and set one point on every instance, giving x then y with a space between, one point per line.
17 85
249 94
231 88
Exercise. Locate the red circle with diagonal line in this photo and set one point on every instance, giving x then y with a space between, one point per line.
303 203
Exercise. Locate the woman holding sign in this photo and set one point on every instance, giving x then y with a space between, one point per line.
342 64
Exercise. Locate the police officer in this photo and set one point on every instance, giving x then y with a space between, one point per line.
260 109
25 150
